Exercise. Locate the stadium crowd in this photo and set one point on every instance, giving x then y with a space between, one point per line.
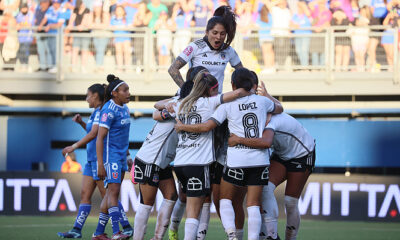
287 28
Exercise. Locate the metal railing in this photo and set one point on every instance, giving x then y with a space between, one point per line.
142 51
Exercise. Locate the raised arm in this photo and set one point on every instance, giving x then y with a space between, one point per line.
102 133
195 128
261 143
262 90
160 105
233 95
174 71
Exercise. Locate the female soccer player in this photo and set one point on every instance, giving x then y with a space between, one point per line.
245 116
293 160
194 152
111 148
211 51
152 170
95 98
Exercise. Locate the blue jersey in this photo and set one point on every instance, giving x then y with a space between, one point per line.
91 146
117 120
54 16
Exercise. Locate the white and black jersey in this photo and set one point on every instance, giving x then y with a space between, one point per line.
159 146
201 53
247 117
196 148
291 139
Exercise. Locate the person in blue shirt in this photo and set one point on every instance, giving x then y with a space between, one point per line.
112 147
95 98
122 43
302 43
54 20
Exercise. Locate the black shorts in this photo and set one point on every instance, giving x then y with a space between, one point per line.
297 164
150 173
216 170
195 180
255 176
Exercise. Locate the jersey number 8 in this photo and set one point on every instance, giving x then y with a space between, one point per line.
250 125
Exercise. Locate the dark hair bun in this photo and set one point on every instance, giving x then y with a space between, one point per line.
111 78
222 11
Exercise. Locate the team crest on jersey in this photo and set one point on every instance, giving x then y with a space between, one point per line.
223 56
188 50
104 117
115 175
110 115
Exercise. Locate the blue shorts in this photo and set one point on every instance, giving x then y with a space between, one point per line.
388 37
91 170
114 172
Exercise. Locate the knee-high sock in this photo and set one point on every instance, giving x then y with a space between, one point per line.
191 226
141 218
115 215
83 213
164 214
239 234
227 216
204 220
254 222
293 217
270 212
177 214
101 225
124 219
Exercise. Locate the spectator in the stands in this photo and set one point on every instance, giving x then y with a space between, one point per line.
8 40
182 15
378 12
387 41
122 43
321 20
302 43
24 21
264 22
155 7
343 5
54 19
202 12
79 23
41 43
131 8
12 6
70 165
359 39
342 43
163 28
100 21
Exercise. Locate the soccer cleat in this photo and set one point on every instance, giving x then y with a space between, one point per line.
172 235
277 238
100 237
128 231
70 234
119 236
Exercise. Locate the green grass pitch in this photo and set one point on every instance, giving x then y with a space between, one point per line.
42 228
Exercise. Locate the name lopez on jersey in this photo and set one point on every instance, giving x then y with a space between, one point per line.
243 107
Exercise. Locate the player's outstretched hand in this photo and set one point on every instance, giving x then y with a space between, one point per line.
66 150
101 172
77 118
233 140
129 162
262 90
178 125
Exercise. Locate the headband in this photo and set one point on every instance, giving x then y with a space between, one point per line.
216 85
119 84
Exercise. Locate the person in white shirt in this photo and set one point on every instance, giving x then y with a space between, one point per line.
212 51
293 159
246 116
195 151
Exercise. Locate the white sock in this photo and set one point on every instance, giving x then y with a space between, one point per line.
141 218
164 214
227 216
204 220
293 217
239 234
270 212
177 214
253 222
191 226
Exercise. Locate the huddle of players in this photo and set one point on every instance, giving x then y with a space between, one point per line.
204 163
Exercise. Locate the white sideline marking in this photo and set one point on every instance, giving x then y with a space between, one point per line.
40 225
